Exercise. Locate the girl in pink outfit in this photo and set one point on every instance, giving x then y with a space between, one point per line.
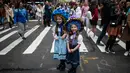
85 9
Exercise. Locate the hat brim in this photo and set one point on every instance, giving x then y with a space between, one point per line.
77 22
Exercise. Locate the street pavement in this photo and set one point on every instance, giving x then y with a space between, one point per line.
35 54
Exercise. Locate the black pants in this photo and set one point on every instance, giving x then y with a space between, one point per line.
102 33
47 21
128 45
10 24
110 42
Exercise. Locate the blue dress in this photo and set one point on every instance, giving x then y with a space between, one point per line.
73 58
60 47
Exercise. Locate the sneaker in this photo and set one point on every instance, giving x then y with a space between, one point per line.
112 51
107 51
23 38
99 44
126 53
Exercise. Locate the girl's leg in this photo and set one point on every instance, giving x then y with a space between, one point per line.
73 68
62 65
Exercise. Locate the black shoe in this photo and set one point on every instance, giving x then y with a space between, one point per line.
62 68
99 44
58 67
112 51
23 38
70 70
107 51
74 70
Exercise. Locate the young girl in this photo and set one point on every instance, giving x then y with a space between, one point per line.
60 16
74 26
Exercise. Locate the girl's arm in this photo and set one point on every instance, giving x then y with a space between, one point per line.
77 47
68 47
80 40
64 35
54 35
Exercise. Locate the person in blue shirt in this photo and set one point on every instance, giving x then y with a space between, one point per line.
20 18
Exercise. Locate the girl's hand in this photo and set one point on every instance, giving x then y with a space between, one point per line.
72 50
56 38
63 37
69 50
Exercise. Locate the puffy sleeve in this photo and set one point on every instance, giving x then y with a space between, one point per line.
67 38
53 32
80 39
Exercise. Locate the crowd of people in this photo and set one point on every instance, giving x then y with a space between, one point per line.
70 19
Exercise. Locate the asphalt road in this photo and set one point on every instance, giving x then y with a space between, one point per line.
35 54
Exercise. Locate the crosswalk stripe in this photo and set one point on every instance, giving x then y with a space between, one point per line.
81 49
121 43
102 48
1 28
16 42
7 36
37 41
6 30
33 20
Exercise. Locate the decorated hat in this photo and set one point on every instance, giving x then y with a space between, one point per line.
74 20
60 12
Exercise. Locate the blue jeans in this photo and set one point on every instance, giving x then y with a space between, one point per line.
1 20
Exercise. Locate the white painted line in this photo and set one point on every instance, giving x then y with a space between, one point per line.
7 36
41 64
81 49
52 48
102 48
33 20
16 42
6 30
45 54
36 42
121 43
1 28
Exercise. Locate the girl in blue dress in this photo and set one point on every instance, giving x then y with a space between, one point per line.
74 26
60 16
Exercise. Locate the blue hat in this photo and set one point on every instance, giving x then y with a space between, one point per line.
76 21
60 12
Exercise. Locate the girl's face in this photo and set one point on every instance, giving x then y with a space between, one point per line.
74 28
59 20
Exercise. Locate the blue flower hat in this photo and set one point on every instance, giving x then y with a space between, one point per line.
74 20
60 12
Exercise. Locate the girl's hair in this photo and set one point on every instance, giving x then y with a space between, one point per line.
63 29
